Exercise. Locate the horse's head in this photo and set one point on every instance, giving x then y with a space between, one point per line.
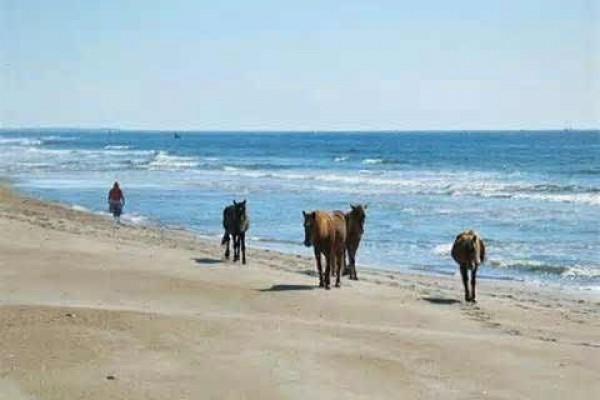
309 227
471 242
472 245
240 210
357 216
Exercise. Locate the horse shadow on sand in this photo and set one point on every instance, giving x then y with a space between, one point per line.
444 301
286 288
207 261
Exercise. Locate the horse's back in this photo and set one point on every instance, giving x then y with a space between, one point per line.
339 225
322 228
228 218
330 227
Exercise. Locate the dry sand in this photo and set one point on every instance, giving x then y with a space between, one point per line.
91 310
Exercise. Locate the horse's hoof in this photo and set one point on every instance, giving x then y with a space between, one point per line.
321 284
337 285
327 288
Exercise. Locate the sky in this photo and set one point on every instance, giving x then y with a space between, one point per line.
300 65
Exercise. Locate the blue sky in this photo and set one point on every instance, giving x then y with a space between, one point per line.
313 65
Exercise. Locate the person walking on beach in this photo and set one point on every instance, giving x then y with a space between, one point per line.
116 201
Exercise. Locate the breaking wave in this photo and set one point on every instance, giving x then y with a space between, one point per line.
372 161
432 183
165 161
569 271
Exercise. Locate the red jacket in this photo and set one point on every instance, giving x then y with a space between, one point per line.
115 194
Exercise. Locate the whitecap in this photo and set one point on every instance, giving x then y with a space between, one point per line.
443 249
20 141
592 199
165 161
578 271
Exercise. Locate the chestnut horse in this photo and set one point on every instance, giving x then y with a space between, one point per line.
468 251
326 232
355 223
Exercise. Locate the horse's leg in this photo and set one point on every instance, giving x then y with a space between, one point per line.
236 247
243 240
353 275
473 278
226 239
340 261
465 278
352 261
329 257
348 267
333 264
319 267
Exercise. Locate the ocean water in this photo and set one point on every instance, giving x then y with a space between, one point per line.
533 196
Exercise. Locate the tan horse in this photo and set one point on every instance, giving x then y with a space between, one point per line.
468 251
326 232
355 223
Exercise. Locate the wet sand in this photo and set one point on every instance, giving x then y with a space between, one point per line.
92 310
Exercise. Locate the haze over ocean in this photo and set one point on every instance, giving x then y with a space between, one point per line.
534 196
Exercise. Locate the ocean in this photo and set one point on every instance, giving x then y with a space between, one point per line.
534 196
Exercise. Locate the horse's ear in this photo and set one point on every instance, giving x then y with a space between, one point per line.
243 202
235 203
352 206
304 214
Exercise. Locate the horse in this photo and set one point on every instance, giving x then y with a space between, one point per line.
326 232
355 222
469 252
235 223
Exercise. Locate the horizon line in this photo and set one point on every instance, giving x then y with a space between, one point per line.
270 130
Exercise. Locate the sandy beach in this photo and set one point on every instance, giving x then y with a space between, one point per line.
92 310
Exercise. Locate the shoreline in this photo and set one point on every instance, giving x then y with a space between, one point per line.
531 283
161 313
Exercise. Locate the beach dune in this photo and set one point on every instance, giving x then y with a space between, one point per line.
92 310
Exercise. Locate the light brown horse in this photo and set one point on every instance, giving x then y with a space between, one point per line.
326 232
468 251
355 227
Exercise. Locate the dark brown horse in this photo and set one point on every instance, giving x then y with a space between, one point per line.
235 223
468 251
355 224
326 232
